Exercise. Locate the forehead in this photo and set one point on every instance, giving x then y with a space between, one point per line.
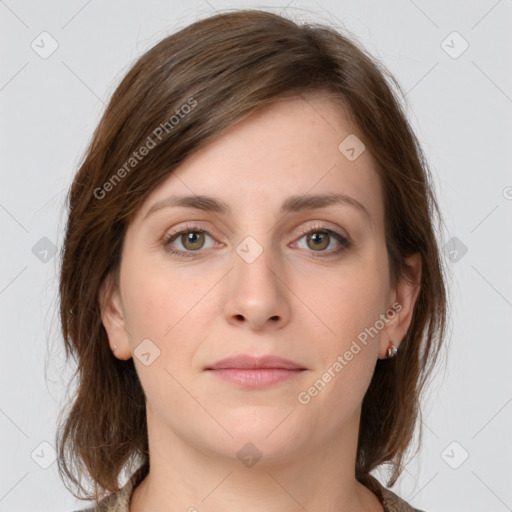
290 147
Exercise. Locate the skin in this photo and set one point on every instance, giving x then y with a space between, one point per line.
286 302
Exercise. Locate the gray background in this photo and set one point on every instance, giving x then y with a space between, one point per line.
461 107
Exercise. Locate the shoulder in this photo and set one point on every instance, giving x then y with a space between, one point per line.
391 502
119 501
116 502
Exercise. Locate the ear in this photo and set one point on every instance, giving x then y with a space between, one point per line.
404 297
112 317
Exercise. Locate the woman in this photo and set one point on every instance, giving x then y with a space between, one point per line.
251 282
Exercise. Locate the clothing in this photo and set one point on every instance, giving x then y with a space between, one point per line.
120 501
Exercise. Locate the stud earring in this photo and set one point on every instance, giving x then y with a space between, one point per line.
115 348
392 350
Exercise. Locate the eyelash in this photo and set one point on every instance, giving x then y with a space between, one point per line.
344 242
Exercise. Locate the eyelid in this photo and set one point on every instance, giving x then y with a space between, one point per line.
322 226
188 226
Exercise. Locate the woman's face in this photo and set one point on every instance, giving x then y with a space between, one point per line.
247 279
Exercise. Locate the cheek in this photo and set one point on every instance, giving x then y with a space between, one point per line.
157 302
159 312
174 310
348 302
348 349
151 308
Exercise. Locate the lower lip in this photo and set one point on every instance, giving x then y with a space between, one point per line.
258 378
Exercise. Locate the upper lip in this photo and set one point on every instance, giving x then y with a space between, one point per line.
254 362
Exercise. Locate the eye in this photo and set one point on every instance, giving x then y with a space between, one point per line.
319 238
192 239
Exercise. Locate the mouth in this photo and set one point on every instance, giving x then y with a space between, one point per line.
256 372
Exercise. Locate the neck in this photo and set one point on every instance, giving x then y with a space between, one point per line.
184 477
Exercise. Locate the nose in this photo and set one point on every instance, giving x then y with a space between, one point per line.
258 295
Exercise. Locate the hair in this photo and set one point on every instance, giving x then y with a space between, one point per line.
194 85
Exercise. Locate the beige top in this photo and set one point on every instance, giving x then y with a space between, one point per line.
120 501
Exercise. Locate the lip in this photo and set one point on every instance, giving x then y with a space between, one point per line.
247 362
255 371
255 378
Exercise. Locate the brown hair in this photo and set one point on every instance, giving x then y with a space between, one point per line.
224 68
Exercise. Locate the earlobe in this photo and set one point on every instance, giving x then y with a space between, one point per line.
406 294
112 317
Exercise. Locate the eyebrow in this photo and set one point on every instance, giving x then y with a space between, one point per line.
291 204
